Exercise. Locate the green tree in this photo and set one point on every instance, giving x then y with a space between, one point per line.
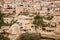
38 22
4 38
29 36
49 17
2 23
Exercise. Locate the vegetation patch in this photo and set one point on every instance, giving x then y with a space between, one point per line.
29 36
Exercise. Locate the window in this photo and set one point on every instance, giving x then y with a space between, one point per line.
21 27
50 30
59 23
21 5
43 29
53 25
17 22
25 30
30 29
9 7
48 9
32 26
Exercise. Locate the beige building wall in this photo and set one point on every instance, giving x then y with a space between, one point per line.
9 1
19 9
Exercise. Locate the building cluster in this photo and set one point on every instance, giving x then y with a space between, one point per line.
23 22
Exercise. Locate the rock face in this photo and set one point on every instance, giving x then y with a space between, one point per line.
57 31
15 29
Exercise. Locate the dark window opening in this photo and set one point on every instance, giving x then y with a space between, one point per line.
24 30
32 26
21 23
59 23
51 3
21 27
50 30
48 9
9 7
53 26
30 29
43 29
21 5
